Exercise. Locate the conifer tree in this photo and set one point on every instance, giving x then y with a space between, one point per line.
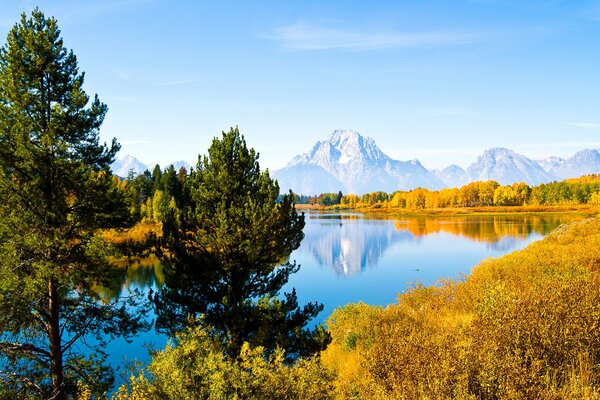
228 256
56 191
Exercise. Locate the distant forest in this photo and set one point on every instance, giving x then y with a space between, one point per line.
583 190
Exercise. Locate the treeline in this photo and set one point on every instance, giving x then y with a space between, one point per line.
324 199
152 195
584 190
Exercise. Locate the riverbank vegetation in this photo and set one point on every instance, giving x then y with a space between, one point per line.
488 196
523 326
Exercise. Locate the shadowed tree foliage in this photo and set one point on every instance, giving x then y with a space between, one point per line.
228 250
55 192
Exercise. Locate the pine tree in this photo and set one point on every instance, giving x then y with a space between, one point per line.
56 191
229 250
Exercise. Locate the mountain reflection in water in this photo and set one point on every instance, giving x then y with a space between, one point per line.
348 244
346 258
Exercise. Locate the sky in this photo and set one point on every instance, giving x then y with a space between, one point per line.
439 81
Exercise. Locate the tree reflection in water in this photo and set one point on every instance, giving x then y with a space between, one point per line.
348 244
134 273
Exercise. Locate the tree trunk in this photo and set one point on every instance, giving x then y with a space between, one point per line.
56 353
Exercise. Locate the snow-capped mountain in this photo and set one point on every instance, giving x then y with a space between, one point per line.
507 167
307 178
550 164
177 165
125 163
583 162
453 176
353 164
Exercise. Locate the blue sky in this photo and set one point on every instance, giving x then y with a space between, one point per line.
439 81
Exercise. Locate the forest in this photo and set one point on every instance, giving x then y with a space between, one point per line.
524 326
576 191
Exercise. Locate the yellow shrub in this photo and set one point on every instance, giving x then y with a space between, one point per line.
524 326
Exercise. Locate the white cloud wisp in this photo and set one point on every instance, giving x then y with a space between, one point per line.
305 37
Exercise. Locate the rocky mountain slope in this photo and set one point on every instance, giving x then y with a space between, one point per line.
507 167
352 163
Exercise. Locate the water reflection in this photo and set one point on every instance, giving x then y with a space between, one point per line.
348 244
143 273
380 255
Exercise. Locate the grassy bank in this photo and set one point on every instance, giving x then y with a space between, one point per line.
524 326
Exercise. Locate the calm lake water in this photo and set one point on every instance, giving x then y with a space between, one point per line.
347 258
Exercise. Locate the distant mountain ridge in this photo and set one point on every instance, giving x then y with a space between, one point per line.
348 162
453 176
125 163
352 163
507 167
583 162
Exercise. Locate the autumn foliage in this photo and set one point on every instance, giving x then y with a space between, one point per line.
524 326
583 190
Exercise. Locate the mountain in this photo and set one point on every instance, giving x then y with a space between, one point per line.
550 164
452 176
583 162
307 178
124 163
178 164
351 163
507 167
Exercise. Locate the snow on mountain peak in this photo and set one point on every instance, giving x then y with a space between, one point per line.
358 165
453 176
584 162
349 146
339 136
507 167
500 153
125 163
586 155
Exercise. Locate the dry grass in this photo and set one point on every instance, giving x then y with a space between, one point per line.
524 326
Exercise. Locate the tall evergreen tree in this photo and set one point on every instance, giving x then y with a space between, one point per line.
156 178
55 191
228 255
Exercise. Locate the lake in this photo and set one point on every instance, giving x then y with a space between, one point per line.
349 257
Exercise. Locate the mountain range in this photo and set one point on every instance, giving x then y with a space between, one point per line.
349 162
499 164
583 162
125 163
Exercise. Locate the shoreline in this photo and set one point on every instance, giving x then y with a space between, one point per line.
584 209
